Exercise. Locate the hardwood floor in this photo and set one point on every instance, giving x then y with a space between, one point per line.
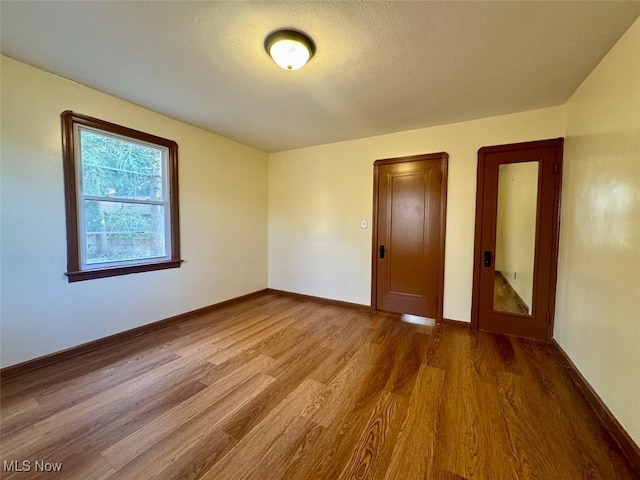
283 388
505 298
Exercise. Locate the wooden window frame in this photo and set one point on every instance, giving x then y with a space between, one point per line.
75 272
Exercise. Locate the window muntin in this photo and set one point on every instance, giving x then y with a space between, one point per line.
121 188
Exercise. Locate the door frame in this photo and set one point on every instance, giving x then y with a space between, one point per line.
443 157
477 249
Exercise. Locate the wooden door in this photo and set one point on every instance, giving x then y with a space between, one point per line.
516 245
409 232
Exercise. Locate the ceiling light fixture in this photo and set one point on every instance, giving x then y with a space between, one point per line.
290 49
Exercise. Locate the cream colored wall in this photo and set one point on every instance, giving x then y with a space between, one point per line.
598 300
223 216
516 226
319 195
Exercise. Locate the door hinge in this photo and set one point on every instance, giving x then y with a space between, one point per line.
555 168
548 318
441 177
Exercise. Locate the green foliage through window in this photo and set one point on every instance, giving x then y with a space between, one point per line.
115 170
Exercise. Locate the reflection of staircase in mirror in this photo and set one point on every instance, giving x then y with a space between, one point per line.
505 298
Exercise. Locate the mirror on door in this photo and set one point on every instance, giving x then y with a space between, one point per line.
515 237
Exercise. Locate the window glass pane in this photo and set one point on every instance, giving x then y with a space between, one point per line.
118 231
115 167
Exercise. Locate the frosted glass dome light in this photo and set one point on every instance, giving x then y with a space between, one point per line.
290 49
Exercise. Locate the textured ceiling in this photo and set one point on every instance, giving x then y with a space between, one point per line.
380 67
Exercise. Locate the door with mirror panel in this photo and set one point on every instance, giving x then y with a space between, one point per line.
517 213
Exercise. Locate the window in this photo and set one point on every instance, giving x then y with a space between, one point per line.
121 188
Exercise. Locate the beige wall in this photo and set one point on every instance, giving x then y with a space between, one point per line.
319 195
516 226
223 215
598 301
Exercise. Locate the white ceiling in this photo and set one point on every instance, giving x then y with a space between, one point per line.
380 67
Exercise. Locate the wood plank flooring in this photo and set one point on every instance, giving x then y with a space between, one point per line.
283 388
